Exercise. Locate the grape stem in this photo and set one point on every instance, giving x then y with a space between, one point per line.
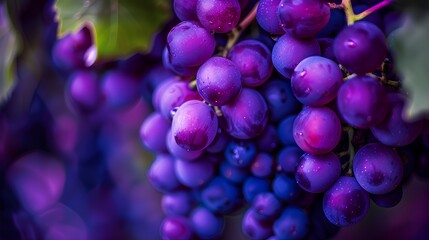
351 17
236 32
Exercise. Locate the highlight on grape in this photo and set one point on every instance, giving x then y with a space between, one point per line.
235 119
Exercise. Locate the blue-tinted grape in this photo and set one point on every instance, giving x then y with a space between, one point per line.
233 173
120 89
176 228
189 44
253 228
240 153
185 10
389 199
317 130
218 16
247 115
346 202
377 168
288 158
286 188
177 203
253 59
362 101
267 18
262 165
360 47
285 130
218 81
394 130
316 80
161 174
194 125
179 152
268 140
206 224
317 173
292 224
174 95
194 174
280 99
84 91
304 18
266 206
290 50
220 196
153 132
252 186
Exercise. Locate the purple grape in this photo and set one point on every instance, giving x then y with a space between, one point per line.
267 206
183 71
394 130
120 89
317 173
346 202
218 81
303 18
247 115
240 153
286 188
252 186
161 174
179 152
218 16
177 203
316 80
233 173
189 44
206 224
285 130
266 19
174 95
185 10
389 199
377 168
84 91
290 50
317 130
194 174
153 132
176 228
288 159
360 47
253 59
268 140
159 91
362 101
263 165
293 223
253 228
194 125
220 196
280 99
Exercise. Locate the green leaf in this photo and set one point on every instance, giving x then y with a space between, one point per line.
121 27
8 50
411 51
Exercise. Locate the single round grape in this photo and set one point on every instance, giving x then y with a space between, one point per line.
267 206
206 224
293 223
360 47
303 18
218 16
377 168
389 199
174 95
194 174
317 130
280 99
266 19
120 89
317 173
84 91
176 228
253 228
346 202
252 186
285 187
253 59
153 132
220 196
161 174
247 115
288 158
189 44
285 130
218 81
240 153
289 50
316 80
394 130
177 203
233 173
362 101
185 10
262 165
194 125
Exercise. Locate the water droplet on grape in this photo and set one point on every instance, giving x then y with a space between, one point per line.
303 73
351 43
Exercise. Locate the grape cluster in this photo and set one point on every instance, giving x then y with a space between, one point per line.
297 126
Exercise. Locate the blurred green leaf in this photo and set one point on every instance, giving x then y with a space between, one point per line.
411 51
8 50
121 27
